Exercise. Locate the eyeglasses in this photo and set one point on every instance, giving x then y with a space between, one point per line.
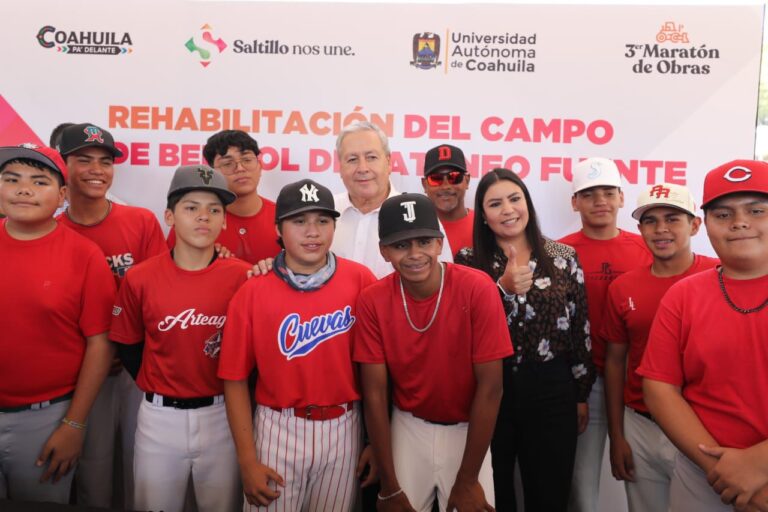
230 166
437 179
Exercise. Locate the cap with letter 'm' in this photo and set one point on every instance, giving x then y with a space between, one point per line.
595 172
444 156
188 178
665 194
304 196
407 216
735 176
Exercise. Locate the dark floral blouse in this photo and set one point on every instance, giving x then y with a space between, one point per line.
551 319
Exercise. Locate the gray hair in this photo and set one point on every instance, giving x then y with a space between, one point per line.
362 126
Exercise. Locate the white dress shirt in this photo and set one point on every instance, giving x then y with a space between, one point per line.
357 236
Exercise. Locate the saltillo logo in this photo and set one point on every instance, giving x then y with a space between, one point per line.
84 42
297 339
206 52
737 174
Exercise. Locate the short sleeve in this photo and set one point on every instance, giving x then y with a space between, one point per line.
237 359
612 329
491 340
127 315
662 359
367 345
98 295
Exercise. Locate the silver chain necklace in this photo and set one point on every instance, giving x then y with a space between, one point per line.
731 303
437 306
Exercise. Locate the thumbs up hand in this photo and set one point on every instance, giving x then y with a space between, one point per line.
517 279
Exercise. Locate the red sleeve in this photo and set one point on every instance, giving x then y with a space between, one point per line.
612 327
171 241
127 315
236 359
155 241
99 290
367 345
491 339
662 359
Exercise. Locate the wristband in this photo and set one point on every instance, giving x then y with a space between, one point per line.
385 498
507 295
73 424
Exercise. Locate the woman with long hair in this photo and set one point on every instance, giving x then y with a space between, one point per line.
548 379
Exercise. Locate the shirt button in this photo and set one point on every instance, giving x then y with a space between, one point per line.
519 347
242 231
520 324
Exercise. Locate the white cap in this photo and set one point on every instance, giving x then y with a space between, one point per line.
595 172
664 194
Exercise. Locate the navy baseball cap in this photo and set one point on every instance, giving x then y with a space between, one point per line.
407 216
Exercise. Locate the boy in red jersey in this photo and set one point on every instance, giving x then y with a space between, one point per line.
437 332
300 449
54 308
641 454
176 304
706 362
127 235
249 233
605 252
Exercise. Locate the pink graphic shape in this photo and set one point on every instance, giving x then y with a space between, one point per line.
13 129
220 44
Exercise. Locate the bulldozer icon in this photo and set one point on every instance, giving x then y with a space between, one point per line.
671 32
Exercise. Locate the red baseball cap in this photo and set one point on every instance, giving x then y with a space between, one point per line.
43 154
735 176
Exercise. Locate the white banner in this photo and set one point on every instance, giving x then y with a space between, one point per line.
669 92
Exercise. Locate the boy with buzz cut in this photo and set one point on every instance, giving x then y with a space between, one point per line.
55 296
176 304
301 449
641 455
437 332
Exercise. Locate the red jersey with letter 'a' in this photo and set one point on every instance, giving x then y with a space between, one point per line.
298 341
252 238
718 356
180 315
602 262
127 236
633 299
432 373
54 292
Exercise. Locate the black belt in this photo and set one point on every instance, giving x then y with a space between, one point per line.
644 414
183 403
38 405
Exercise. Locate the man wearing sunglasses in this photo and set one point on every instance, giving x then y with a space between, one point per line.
446 182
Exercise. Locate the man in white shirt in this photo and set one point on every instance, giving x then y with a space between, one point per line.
365 164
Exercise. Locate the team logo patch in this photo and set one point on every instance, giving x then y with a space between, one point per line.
212 345
659 191
595 171
737 174
94 134
444 153
309 193
29 145
298 339
410 211
205 174
116 310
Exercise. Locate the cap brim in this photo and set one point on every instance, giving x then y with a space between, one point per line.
8 154
226 196
638 213
593 185
115 152
747 189
435 167
409 234
310 208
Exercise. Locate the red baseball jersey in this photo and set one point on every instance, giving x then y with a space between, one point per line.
250 238
127 236
718 356
299 342
432 372
179 314
602 262
633 299
55 291
459 232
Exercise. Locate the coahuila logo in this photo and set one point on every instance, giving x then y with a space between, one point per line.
508 52
426 50
666 57
85 42
204 54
